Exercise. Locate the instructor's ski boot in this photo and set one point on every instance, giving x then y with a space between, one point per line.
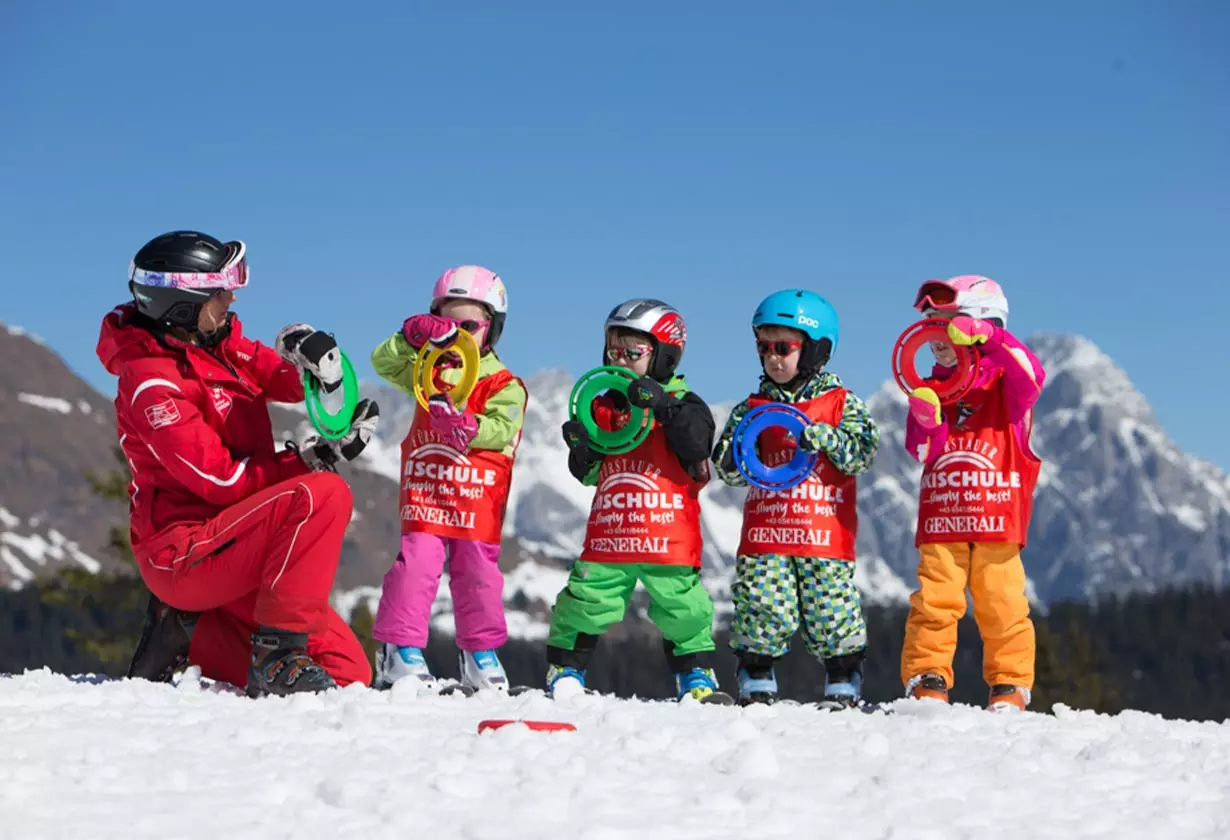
757 685
394 663
701 684
165 639
281 665
1008 698
927 687
481 671
565 681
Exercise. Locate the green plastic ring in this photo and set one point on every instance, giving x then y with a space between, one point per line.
580 407
332 425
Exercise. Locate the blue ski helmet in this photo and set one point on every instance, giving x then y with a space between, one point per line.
808 313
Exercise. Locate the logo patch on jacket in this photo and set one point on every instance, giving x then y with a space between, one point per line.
222 400
165 413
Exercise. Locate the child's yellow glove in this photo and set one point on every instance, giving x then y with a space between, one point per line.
964 330
925 408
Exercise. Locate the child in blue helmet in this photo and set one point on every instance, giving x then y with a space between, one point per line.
795 563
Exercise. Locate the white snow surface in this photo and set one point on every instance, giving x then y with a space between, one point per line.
130 759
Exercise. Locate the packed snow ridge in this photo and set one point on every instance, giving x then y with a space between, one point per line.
191 761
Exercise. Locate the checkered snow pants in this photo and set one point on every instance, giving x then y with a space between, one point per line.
774 594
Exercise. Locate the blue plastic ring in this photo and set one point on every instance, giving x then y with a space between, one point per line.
748 462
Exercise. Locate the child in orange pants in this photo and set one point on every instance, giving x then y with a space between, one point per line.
975 499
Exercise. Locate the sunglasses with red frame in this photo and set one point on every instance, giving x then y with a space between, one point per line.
632 354
780 347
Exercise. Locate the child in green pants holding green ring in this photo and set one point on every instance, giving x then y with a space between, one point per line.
644 523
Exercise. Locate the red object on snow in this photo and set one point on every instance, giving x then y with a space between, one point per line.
536 725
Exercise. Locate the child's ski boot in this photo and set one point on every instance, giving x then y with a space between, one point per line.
281 666
394 663
701 684
481 671
843 682
846 694
565 681
757 685
1008 698
927 687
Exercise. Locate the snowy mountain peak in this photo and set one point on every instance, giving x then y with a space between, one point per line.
1080 376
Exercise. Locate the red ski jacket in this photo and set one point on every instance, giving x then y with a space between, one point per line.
193 424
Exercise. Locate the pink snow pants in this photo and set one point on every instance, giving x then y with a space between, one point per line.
475 582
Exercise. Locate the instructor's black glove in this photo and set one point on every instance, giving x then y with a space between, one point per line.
313 351
321 454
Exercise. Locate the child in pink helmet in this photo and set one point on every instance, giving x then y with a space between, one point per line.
456 474
976 498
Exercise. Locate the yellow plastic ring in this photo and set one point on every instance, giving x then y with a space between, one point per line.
425 388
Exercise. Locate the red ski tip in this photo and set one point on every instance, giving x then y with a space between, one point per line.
536 725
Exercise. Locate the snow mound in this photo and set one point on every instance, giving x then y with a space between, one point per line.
144 760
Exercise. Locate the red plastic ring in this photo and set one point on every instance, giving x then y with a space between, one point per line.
906 349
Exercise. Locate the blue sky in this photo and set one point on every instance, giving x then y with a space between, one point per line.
1077 152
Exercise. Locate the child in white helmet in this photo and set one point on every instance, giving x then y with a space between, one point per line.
456 474
975 499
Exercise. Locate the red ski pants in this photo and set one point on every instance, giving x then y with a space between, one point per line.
268 560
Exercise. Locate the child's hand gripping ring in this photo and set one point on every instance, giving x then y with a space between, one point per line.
747 460
580 407
906 350
424 370
332 425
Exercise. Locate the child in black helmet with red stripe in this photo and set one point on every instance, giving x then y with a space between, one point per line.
644 523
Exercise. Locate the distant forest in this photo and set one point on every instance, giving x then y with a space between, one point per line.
1166 652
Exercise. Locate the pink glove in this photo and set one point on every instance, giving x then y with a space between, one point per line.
964 330
420 329
456 428
925 408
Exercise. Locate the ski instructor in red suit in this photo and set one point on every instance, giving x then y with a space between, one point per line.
237 540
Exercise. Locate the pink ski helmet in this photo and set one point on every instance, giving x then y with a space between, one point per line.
481 285
969 294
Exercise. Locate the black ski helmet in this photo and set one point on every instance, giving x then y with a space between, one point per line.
181 252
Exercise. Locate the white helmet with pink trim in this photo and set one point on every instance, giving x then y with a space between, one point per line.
970 294
481 285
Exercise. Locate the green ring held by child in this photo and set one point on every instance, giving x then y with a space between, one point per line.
332 425
580 407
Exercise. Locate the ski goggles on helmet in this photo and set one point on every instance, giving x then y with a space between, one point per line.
780 347
937 296
233 275
632 354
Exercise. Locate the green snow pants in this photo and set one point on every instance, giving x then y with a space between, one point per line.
596 597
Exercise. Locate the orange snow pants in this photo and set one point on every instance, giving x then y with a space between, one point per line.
996 580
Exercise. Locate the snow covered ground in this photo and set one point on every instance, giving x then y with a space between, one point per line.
133 760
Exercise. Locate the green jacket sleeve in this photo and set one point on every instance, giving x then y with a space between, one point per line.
500 422
852 444
590 479
393 361
723 452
